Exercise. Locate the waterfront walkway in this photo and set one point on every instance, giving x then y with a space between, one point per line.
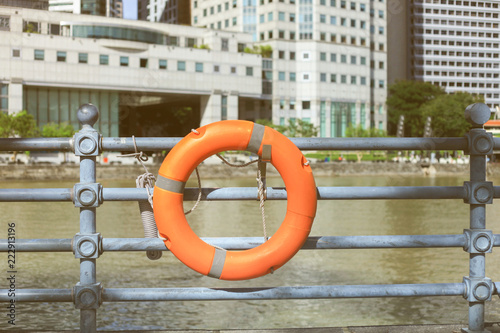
492 327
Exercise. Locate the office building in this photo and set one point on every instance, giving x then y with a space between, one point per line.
143 76
109 8
33 4
453 44
166 11
328 64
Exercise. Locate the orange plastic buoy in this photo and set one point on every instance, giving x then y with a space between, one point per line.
215 138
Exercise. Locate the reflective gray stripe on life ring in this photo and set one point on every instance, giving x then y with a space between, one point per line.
170 184
256 138
217 263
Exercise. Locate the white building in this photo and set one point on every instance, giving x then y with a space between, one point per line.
141 75
329 59
109 8
454 44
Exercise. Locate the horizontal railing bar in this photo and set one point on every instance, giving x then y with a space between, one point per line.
126 144
166 143
245 243
35 194
249 193
38 295
36 144
265 293
302 292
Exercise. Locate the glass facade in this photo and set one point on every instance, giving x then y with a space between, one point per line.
322 119
342 115
122 33
4 97
55 105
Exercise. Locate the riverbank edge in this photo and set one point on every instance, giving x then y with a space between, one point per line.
72 172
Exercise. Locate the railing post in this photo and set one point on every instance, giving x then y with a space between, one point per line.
479 192
87 195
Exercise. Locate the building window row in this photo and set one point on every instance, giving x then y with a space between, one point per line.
453 33
457 13
481 4
124 61
486 55
4 97
352 5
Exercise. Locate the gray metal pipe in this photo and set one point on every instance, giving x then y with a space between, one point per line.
268 293
249 193
245 243
36 144
265 293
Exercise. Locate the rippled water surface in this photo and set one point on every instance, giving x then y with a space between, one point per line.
311 267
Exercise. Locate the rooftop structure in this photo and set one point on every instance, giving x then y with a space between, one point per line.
143 76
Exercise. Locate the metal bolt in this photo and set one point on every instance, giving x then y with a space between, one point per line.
482 194
87 196
482 242
87 144
481 291
87 247
482 144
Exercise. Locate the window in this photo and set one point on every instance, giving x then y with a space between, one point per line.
362 60
103 59
343 58
281 16
225 44
343 22
292 78
4 97
306 77
353 79
381 83
249 71
380 30
16 53
281 76
363 80
343 79
333 57
143 62
61 56
223 107
381 14
269 16
124 61
162 64
292 17
4 23
281 34
199 67
83 58
353 5
292 104
381 65
353 60
333 78
322 18
305 55
343 4
216 68
235 21
322 56
306 105
281 54
322 77
39 54
233 69
181 66
292 55
333 20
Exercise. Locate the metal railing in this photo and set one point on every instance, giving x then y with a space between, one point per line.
87 245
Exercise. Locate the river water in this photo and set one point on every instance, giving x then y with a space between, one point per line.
220 219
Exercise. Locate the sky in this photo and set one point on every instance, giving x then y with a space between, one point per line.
130 9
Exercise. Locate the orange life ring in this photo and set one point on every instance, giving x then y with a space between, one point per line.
181 240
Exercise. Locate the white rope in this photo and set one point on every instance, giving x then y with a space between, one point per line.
199 194
262 201
261 190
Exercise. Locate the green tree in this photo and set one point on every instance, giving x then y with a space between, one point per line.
447 113
295 128
53 130
266 51
406 98
359 132
20 124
